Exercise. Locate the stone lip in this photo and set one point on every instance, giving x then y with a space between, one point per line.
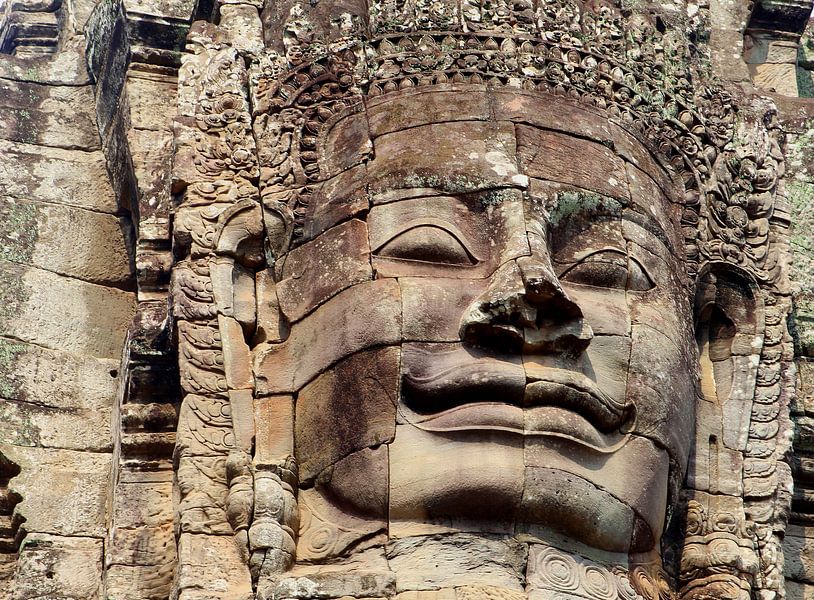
576 392
459 392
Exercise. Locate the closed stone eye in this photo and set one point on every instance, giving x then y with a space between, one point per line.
427 243
609 269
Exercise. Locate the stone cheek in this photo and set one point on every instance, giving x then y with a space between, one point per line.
355 401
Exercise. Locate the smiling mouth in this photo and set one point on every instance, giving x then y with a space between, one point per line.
460 391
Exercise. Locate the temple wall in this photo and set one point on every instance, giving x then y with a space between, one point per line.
66 299
798 546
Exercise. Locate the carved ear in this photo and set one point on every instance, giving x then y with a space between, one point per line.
240 233
727 317
279 223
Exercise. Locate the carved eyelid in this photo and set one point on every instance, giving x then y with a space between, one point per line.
580 259
437 224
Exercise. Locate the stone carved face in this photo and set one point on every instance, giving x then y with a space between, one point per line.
489 329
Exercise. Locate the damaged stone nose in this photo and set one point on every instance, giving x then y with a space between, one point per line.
525 309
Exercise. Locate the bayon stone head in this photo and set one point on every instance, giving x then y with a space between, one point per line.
483 269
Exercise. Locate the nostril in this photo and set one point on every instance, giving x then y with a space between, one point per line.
556 311
496 336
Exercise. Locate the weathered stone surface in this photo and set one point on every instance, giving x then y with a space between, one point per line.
475 155
274 428
453 315
62 313
597 518
798 547
77 479
125 582
437 483
337 199
539 110
64 68
199 578
360 584
25 424
463 236
148 99
780 78
84 244
305 282
330 526
619 488
58 116
427 562
370 314
56 379
799 591
56 175
427 304
444 104
53 566
356 400
550 155
345 145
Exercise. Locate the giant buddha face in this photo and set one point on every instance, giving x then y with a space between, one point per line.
486 324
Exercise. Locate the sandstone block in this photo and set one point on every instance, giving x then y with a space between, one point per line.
431 562
584 512
641 488
355 401
57 379
52 566
345 145
330 585
210 566
274 427
149 99
63 313
337 199
26 424
541 110
432 306
438 481
56 175
84 244
571 161
306 281
57 116
66 67
417 107
126 582
364 315
474 155
798 548
64 492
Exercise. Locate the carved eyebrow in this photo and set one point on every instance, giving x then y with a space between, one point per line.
384 197
560 267
601 208
576 203
650 225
